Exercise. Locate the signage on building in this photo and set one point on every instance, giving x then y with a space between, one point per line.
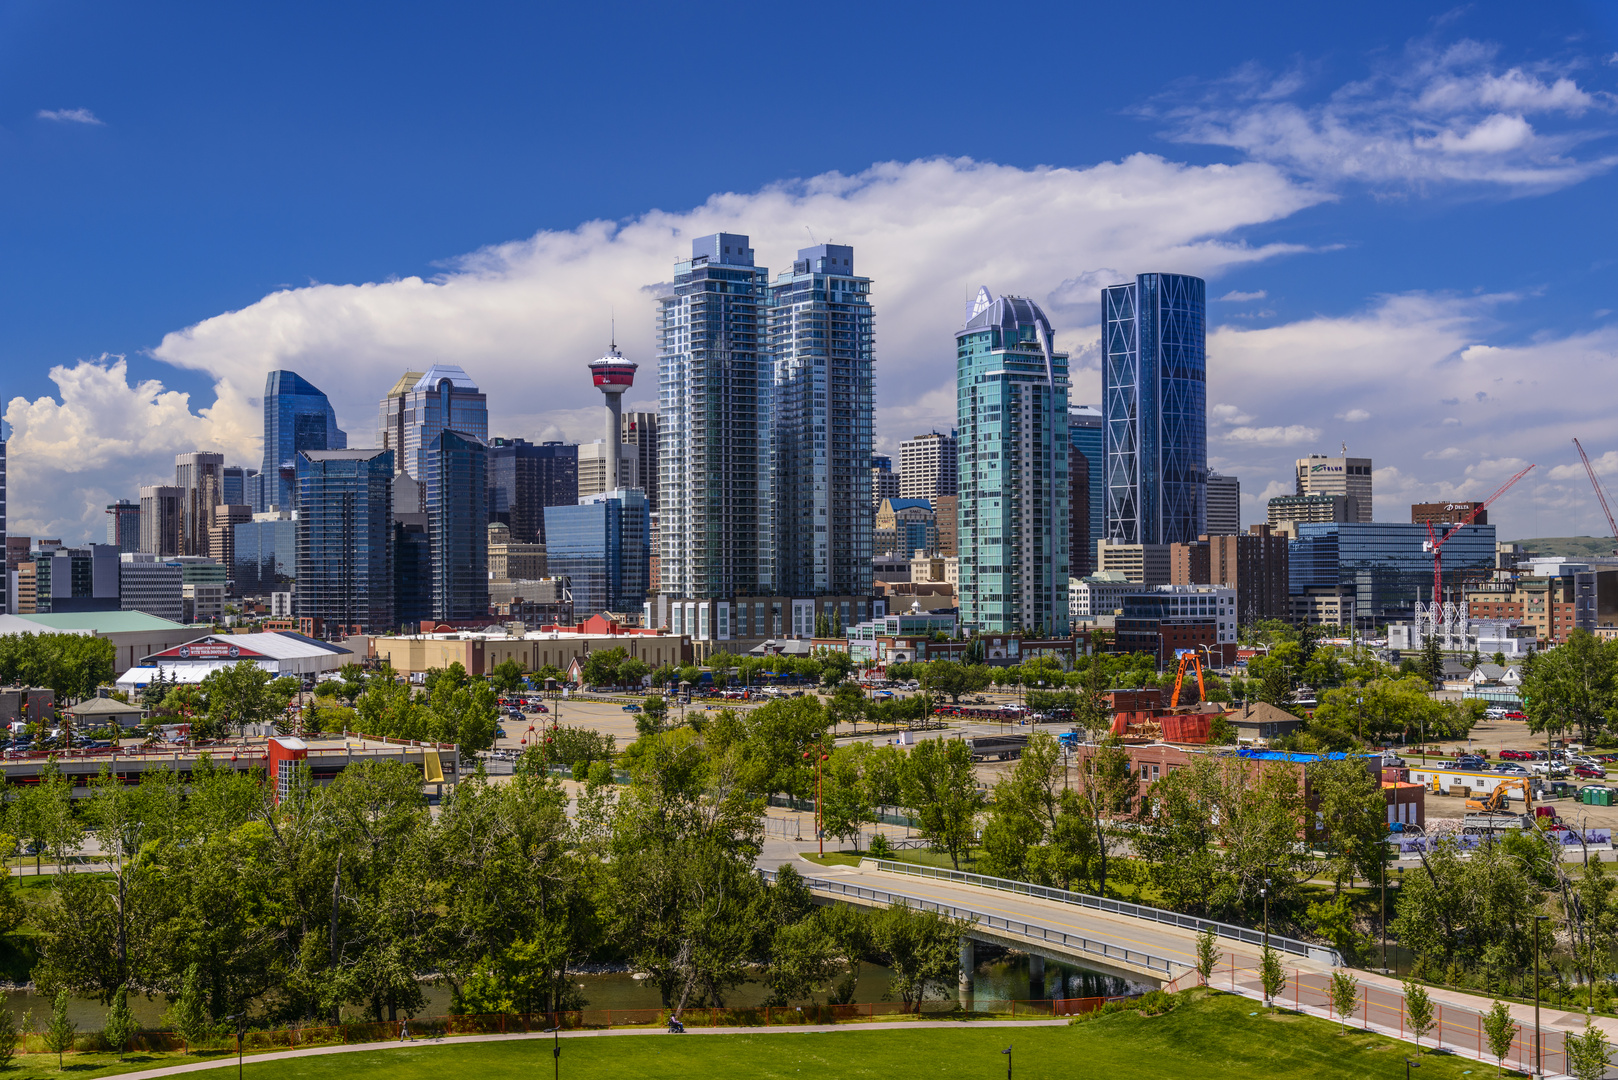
211 650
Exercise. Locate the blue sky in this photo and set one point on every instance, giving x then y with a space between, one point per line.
198 193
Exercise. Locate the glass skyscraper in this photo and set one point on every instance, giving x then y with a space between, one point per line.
715 525
1085 434
1011 401
1154 397
1383 563
601 546
444 399
458 525
821 415
264 556
345 539
524 479
297 417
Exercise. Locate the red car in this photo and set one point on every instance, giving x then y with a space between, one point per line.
1589 772
1515 716
1515 755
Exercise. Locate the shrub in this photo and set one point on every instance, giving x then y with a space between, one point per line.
880 847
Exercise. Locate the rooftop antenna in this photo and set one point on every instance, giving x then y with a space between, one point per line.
612 313
1345 449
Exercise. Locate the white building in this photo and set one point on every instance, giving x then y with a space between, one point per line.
150 584
927 466
1099 594
281 653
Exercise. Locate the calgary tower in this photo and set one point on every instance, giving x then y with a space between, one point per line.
613 375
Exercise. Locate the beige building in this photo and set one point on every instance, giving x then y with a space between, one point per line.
1321 475
593 468
481 652
1312 509
1143 564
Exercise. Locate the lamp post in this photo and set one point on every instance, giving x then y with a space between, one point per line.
1410 1065
241 1033
819 755
556 1046
1007 1052
1265 893
1539 1049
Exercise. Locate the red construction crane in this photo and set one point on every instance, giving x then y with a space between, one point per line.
1434 544
1602 495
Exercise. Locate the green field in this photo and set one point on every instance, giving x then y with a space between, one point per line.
1214 1038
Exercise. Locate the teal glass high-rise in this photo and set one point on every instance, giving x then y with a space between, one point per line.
297 417
1155 401
1011 402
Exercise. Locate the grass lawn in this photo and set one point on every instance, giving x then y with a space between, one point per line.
1215 1038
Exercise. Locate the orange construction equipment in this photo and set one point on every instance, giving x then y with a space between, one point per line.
1188 656
1495 801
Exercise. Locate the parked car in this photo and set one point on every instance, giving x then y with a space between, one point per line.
1589 772
1515 714
1471 763
1511 768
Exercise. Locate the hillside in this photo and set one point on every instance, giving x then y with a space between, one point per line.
1569 546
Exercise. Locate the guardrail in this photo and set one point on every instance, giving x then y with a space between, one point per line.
1116 907
1031 931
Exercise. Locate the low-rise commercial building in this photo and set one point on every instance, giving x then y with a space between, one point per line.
281 653
480 652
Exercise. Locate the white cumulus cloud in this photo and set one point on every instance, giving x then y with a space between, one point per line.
70 116
1236 297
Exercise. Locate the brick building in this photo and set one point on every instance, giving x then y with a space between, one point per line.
1252 563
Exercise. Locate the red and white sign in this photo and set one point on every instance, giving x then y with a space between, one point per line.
211 649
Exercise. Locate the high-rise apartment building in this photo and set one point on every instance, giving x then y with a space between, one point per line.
884 481
297 417
160 520
1011 400
525 478
457 525
1313 508
714 480
1224 505
1081 549
821 413
200 477
1154 398
390 425
222 531
640 438
928 466
1254 564
444 399
1321 475
345 540
1085 433
123 525
264 554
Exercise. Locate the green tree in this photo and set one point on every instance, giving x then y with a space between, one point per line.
1208 955
601 669
1350 819
921 948
1571 687
1498 659
1590 914
9 1038
1501 1031
60 1031
41 815
1271 976
845 803
507 677
847 705
1587 1053
120 1025
237 695
1345 996
72 665
1418 1010
941 789
633 671
188 1015
1431 662
945 677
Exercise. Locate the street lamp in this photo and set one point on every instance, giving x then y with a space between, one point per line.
556 1045
819 756
1265 893
241 1033
1007 1052
1410 1065
1539 1049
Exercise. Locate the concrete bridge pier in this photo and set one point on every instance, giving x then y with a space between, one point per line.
968 965
1036 977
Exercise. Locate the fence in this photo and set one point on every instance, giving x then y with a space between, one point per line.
354 1032
1041 934
1118 907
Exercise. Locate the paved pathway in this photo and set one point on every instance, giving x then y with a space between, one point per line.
805 1029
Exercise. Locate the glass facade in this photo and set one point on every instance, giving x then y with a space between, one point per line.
443 399
714 483
820 340
1154 397
265 557
1383 563
345 538
601 546
412 574
524 479
297 417
1011 402
458 525
1085 433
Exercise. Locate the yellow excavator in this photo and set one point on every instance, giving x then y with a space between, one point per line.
1495 801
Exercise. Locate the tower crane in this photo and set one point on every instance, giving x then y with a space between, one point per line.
1601 495
1435 544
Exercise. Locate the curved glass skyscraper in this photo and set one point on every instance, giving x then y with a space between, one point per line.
297 417
1155 401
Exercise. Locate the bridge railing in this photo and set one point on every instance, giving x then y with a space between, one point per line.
988 921
1116 907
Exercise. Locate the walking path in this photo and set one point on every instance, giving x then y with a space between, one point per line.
806 1029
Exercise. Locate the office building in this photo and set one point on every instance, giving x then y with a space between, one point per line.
905 526
160 520
297 417
1448 513
5 587
714 477
946 515
1154 397
593 479
199 476
1081 546
507 560
928 466
1011 400
1099 596
1144 564
1321 475
393 416
640 438
457 525
233 485
123 525
76 579
821 413
151 584
1311 509
412 575
1254 564
1171 618
345 540
222 532
444 399
884 481
1086 434
524 478
1224 505
600 545
264 554
1384 564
